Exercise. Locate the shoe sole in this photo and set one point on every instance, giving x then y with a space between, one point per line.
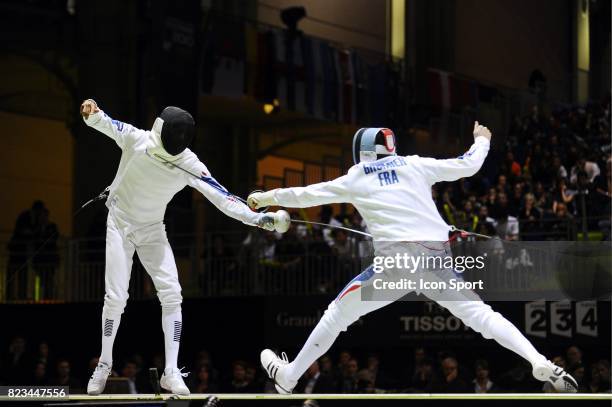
173 392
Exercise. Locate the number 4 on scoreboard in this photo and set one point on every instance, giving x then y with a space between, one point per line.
586 318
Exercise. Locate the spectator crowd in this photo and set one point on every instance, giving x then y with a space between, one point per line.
427 371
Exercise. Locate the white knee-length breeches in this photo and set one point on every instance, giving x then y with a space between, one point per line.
155 254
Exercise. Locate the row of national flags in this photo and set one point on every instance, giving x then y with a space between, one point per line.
448 91
304 74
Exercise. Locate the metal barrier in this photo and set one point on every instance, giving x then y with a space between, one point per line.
257 265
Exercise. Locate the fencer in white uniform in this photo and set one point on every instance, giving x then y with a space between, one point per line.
145 182
393 195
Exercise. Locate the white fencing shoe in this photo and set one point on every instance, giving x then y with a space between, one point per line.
97 381
172 380
547 371
276 369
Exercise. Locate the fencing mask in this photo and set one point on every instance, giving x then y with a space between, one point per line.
177 129
371 144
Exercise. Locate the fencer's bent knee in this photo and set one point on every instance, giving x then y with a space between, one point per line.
170 301
114 304
337 318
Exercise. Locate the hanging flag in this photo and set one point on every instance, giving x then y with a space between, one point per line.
361 92
330 82
347 88
280 66
439 88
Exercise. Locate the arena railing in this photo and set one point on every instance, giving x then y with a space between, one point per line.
220 265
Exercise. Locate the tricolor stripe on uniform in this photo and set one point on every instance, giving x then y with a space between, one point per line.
357 282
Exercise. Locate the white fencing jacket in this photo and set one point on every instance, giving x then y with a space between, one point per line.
144 184
393 194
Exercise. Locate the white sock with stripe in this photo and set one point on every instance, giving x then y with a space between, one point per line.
110 324
172 324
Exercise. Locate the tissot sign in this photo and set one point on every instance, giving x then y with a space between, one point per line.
289 321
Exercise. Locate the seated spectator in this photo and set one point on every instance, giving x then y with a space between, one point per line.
502 184
63 377
289 250
39 378
129 372
559 170
202 359
515 202
238 382
16 362
201 381
314 381
590 168
343 359
482 382
507 225
512 165
530 218
43 354
377 375
365 382
327 367
600 378
422 380
562 226
349 382
257 382
342 245
542 197
490 200
450 380
467 219
562 195
578 372
602 188
573 356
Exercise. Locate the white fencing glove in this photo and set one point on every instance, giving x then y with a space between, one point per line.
257 200
278 221
481 131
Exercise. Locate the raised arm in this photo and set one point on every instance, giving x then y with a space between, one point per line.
335 191
124 134
465 165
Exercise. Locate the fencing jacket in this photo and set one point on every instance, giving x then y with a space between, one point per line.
393 194
145 184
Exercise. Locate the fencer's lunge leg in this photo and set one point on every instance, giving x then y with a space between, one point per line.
347 308
492 325
118 267
156 255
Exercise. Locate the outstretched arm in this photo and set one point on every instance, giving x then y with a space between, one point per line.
335 191
222 199
465 165
124 134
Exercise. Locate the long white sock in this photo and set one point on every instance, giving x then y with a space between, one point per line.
317 344
172 324
110 324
